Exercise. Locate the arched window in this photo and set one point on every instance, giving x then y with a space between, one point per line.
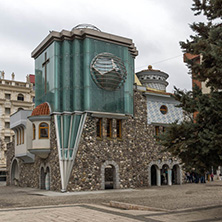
22 136
33 131
99 128
43 131
109 128
20 97
17 132
19 136
119 128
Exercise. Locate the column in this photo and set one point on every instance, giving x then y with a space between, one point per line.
169 174
158 177
86 74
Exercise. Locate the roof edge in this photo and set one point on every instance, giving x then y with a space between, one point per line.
81 34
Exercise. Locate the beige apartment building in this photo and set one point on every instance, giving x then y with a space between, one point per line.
14 95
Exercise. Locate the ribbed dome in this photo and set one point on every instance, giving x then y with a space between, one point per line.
41 110
152 78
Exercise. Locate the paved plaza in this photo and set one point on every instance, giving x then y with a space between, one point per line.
189 202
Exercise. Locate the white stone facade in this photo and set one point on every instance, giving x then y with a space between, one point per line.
14 95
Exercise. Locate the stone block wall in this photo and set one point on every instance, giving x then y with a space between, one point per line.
10 153
131 154
29 173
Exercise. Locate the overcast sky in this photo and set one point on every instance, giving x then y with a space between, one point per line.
155 26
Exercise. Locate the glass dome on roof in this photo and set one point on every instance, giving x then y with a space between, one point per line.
87 26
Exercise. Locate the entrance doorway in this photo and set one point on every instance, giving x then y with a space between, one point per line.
164 174
176 174
2 176
42 178
14 173
109 177
47 179
153 175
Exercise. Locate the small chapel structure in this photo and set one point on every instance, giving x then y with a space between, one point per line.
95 120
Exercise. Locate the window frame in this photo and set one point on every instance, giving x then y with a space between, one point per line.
109 127
99 128
20 97
7 95
9 139
33 132
119 129
7 123
17 132
45 127
164 109
23 136
157 130
6 108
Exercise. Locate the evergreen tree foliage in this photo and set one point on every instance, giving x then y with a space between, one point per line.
207 42
197 140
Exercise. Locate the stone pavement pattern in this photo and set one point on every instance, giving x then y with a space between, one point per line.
189 202
96 213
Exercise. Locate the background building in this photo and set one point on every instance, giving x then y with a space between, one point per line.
14 95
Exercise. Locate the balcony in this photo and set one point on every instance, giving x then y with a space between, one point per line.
19 118
40 147
23 134
22 153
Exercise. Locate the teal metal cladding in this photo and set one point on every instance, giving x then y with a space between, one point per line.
69 84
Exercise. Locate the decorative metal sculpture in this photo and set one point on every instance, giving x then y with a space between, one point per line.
108 71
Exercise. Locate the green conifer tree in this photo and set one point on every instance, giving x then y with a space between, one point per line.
197 141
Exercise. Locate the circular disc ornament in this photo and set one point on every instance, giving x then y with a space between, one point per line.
108 71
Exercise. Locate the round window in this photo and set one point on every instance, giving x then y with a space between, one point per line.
163 109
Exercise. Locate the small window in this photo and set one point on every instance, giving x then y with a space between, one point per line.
7 111
33 99
20 97
163 129
119 128
8 96
99 128
109 128
7 125
157 130
22 136
17 132
33 131
43 131
7 139
163 109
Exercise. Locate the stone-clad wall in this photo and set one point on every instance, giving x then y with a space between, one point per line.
29 173
10 153
131 154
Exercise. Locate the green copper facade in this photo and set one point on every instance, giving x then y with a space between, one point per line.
82 72
69 86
